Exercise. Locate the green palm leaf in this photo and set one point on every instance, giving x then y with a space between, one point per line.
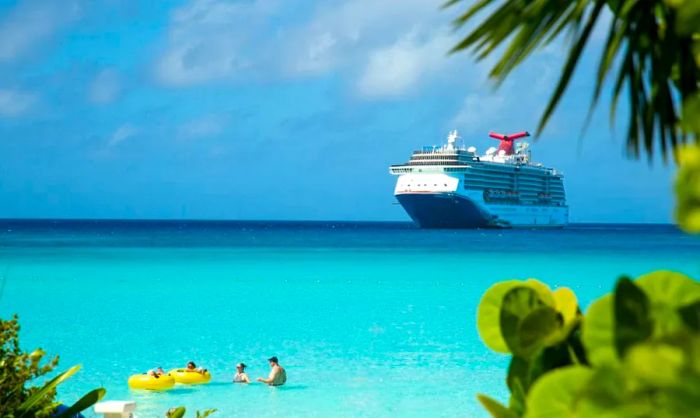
177 413
650 50
83 403
25 409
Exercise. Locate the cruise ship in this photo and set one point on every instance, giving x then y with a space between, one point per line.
451 186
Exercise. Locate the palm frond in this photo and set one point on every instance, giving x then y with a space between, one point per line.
649 50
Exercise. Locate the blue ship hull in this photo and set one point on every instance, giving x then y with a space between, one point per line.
440 210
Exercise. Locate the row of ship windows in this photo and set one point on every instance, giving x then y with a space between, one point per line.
512 186
424 185
434 157
521 191
473 172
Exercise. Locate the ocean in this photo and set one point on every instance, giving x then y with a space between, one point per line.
369 319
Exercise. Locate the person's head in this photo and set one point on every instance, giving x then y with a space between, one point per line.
160 370
191 365
273 361
240 367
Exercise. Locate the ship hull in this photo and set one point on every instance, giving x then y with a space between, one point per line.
451 210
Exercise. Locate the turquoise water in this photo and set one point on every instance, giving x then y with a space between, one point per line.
369 319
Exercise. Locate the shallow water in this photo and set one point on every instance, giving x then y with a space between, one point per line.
369 319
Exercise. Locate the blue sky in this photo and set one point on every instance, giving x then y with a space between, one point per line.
272 109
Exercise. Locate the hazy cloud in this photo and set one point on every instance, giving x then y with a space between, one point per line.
106 87
122 133
31 22
208 40
15 103
382 49
479 112
206 126
397 69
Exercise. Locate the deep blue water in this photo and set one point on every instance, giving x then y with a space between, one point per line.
370 319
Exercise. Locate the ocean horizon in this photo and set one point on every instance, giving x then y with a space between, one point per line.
369 318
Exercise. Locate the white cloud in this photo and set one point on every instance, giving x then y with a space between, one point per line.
341 34
208 40
516 105
479 112
30 23
122 133
212 41
206 126
106 87
397 69
15 103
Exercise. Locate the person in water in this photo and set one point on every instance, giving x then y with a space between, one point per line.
241 376
277 377
191 367
157 372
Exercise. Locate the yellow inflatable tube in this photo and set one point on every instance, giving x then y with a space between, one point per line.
144 381
189 378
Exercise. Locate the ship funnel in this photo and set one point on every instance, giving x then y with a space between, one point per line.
507 140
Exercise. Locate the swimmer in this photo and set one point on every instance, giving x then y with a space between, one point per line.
241 376
191 367
277 377
157 372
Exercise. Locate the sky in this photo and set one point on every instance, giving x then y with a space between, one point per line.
277 109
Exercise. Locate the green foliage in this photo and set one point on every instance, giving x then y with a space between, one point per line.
180 412
176 412
688 185
489 313
652 48
88 400
636 352
18 369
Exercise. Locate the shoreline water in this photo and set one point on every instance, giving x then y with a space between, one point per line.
374 321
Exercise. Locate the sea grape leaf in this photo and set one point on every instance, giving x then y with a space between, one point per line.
687 183
631 310
518 370
690 314
489 315
517 303
543 291
556 393
577 352
536 329
555 357
489 311
598 333
656 364
607 390
566 304
517 400
669 287
667 291
495 408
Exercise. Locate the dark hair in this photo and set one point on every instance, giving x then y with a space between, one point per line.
241 365
192 363
273 359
